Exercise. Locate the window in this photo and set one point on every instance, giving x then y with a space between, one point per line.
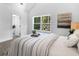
41 23
46 23
37 23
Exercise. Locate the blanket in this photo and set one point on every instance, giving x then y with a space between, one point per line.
32 46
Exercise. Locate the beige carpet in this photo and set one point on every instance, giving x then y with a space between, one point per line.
4 46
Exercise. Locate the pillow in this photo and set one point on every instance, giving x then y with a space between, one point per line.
76 32
72 40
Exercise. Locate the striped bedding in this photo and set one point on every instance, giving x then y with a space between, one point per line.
32 46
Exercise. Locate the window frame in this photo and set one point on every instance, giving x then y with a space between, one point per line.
41 23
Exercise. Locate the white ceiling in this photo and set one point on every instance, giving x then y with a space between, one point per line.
26 6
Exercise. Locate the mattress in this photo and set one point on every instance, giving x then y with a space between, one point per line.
59 48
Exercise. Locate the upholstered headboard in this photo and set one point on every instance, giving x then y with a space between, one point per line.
75 25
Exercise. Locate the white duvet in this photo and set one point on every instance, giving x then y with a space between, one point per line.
44 45
59 48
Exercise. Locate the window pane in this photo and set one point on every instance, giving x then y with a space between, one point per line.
37 26
46 27
37 19
45 19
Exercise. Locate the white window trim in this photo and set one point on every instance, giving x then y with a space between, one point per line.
41 24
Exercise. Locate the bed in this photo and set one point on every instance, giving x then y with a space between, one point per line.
59 48
44 45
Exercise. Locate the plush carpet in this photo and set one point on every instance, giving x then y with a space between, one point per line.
4 46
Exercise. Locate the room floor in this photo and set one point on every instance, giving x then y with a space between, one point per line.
4 46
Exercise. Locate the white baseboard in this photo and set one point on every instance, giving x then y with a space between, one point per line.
5 39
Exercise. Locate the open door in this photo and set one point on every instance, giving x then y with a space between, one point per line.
16 25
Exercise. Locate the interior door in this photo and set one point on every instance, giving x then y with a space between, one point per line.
16 22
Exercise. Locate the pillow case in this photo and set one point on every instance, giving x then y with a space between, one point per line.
76 32
72 40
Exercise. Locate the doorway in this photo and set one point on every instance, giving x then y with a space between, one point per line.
16 26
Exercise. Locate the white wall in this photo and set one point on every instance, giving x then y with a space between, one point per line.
5 22
53 9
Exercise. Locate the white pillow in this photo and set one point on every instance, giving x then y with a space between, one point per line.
72 40
76 32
